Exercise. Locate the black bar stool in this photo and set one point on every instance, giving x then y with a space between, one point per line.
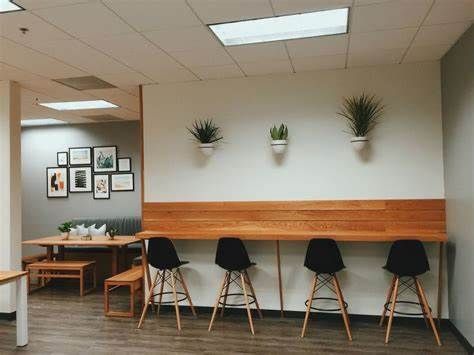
407 260
232 256
162 256
324 259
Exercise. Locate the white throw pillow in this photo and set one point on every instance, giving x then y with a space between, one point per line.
97 231
73 232
82 230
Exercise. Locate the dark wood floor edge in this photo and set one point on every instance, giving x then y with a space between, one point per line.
8 315
461 338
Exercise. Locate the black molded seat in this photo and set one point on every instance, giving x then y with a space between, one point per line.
407 258
231 254
323 256
162 254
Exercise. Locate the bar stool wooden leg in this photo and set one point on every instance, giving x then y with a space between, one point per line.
217 302
160 297
253 294
421 303
428 311
340 299
188 296
387 299
249 314
227 278
147 303
176 307
392 308
310 302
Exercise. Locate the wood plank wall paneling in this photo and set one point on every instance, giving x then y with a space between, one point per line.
418 216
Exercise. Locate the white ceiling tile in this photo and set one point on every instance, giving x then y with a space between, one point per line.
319 63
447 11
389 15
8 72
216 11
173 76
258 52
375 57
311 47
39 30
125 79
118 97
423 54
218 72
203 57
365 42
55 90
183 39
440 34
283 7
85 20
81 56
41 4
146 15
35 62
263 68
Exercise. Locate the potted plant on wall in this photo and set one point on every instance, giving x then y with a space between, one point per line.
206 133
279 137
362 113
65 229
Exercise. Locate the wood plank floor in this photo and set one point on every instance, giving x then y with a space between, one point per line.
61 322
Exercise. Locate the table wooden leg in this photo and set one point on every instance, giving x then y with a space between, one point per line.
280 287
115 260
49 252
21 312
123 265
439 301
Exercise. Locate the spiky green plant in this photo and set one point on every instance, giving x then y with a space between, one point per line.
362 113
205 131
65 227
279 133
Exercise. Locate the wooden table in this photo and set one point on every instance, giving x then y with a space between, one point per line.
346 236
21 303
119 243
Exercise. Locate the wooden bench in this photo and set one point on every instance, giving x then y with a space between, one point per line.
132 278
65 270
29 259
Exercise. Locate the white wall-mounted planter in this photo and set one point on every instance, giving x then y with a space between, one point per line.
206 148
279 146
359 143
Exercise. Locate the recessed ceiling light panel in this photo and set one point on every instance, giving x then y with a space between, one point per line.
78 105
9 6
41 122
310 24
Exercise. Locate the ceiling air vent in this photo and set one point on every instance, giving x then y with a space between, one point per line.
104 118
85 83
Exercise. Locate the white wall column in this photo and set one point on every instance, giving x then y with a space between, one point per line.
10 188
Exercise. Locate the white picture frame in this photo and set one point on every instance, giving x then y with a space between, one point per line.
57 182
123 182
105 159
125 164
80 156
80 179
101 187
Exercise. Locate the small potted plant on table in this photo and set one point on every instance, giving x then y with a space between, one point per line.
279 137
362 113
65 229
206 133
112 232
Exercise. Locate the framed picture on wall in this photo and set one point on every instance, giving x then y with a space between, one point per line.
62 158
105 159
125 164
80 156
56 182
101 187
122 182
80 179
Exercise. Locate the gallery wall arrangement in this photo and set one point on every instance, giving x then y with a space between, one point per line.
90 169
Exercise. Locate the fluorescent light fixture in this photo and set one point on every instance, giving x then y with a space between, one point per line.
41 122
9 6
310 24
78 105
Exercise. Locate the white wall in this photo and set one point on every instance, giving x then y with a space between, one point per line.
405 161
458 124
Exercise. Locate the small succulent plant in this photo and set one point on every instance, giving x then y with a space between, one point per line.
279 133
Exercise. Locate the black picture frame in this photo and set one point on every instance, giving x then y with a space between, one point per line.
129 165
48 183
122 190
114 160
94 187
89 174
57 159
87 163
